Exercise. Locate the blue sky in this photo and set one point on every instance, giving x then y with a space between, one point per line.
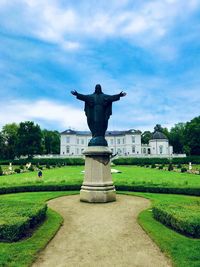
149 49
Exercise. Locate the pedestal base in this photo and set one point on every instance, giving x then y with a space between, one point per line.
97 186
93 196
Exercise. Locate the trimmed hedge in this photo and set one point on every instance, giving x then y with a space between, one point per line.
183 218
163 190
77 187
119 161
38 188
46 161
18 218
150 161
140 161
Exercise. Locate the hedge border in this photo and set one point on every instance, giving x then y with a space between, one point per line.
45 161
23 226
150 161
186 227
76 187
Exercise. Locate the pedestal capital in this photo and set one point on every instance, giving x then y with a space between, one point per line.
97 151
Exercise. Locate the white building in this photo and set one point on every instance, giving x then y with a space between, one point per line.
123 143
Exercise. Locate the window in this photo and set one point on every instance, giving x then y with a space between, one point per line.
161 149
77 151
77 141
118 141
133 149
82 141
67 139
123 140
144 150
67 149
133 139
82 150
111 141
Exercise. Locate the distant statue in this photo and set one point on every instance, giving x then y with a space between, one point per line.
98 108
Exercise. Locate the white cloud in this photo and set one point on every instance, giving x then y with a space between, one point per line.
45 111
144 22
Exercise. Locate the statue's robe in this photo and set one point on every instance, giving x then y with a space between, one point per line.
98 109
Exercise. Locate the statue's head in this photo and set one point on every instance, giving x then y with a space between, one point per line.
98 89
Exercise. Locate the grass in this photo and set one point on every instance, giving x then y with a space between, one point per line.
69 175
183 218
131 175
18 218
183 251
23 253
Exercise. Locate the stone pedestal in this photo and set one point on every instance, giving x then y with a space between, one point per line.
97 185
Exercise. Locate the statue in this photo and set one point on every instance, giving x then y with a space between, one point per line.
98 108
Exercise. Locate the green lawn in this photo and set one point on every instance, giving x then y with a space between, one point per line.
139 175
131 175
184 251
68 175
23 253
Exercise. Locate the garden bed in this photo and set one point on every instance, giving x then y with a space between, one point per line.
182 217
18 218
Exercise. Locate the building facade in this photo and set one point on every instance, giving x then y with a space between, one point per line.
122 143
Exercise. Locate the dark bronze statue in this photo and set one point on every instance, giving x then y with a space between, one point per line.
98 108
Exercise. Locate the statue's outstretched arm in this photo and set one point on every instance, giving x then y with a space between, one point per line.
113 98
79 96
74 92
122 94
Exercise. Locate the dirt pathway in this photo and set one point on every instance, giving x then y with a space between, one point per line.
101 235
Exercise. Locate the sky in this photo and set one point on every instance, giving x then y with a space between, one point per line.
149 49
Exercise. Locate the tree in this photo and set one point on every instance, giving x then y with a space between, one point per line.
177 138
146 136
29 139
192 135
2 147
9 137
51 142
158 128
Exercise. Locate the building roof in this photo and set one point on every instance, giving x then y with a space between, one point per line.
108 133
158 135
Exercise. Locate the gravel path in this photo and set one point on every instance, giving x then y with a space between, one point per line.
101 235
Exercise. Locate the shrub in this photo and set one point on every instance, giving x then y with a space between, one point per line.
17 170
1 171
170 167
17 222
21 167
50 161
31 168
184 217
139 161
153 166
149 161
134 188
183 169
47 166
160 167
179 166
